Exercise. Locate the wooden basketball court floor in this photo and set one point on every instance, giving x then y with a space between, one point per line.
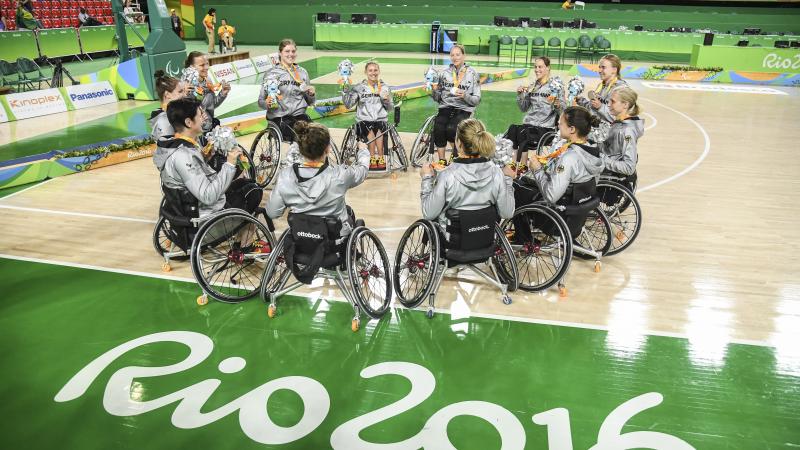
716 254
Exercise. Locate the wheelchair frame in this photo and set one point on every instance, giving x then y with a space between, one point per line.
504 278
273 287
395 154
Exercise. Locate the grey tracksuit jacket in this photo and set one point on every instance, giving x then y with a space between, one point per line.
293 100
578 164
371 106
159 125
538 111
182 167
619 149
469 82
469 186
210 102
322 195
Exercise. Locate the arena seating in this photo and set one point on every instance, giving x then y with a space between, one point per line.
60 13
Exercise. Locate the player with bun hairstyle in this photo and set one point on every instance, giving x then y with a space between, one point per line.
472 181
168 89
313 186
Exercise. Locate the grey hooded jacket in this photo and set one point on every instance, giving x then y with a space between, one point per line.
469 82
159 124
321 195
539 111
210 102
580 163
294 99
619 149
472 185
182 167
371 106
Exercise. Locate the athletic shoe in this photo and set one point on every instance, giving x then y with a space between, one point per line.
259 246
381 163
373 163
521 169
443 163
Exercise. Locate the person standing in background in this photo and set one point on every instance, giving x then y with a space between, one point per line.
209 23
176 23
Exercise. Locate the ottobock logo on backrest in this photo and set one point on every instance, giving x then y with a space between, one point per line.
480 228
308 235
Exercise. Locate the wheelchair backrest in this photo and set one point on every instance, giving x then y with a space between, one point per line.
312 244
578 201
471 233
179 206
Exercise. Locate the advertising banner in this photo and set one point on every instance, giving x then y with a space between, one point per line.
262 63
244 68
87 95
223 72
36 103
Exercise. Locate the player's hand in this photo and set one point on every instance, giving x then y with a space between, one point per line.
269 100
508 170
426 170
596 103
234 155
521 89
226 87
460 93
311 91
533 163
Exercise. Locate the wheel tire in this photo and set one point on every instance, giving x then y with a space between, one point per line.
363 247
406 259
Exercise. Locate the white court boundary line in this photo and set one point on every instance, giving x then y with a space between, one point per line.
584 326
77 214
692 166
27 189
653 120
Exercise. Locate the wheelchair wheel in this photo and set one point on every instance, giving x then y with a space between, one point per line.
349 150
229 255
368 270
504 261
624 213
161 240
542 148
416 263
276 273
266 154
423 143
398 151
543 248
333 156
596 234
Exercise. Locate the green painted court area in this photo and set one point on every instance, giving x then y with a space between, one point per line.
177 375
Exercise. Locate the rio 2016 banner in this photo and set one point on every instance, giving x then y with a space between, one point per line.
42 102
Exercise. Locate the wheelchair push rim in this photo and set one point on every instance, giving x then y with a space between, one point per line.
623 211
416 263
595 234
423 143
504 261
229 256
369 273
266 154
277 273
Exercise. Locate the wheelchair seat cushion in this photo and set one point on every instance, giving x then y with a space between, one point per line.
471 234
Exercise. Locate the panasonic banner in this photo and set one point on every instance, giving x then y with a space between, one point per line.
87 95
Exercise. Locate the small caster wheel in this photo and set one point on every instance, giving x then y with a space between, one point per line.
260 179
429 314
166 267
620 235
506 300
597 267
355 325
272 311
167 243
202 300
393 176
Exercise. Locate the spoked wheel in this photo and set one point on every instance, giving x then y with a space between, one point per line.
229 255
416 263
349 150
624 213
596 234
266 154
164 238
398 151
333 156
542 246
368 270
543 147
277 272
423 143
504 261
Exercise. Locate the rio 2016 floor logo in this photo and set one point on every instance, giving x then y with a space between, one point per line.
255 422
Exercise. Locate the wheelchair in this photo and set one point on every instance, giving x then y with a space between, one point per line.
311 248
227 250
427 250
266 153
395 153
546 237
423 146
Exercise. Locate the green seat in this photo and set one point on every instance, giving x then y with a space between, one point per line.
520 47
31 72
537 44
554 45
605 46
598 39
585 48
570 49
9 75
505 49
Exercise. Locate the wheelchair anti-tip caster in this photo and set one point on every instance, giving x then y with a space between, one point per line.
355 325
393 176
166 267
597 266
202 300
506 299
429 313
272 311
562 290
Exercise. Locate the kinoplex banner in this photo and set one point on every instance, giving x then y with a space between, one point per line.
262 63
245 68
93 94
224 72
25 105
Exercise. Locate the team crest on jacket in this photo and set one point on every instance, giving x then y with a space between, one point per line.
560 168
627 138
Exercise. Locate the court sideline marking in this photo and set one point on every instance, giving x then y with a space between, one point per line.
585 326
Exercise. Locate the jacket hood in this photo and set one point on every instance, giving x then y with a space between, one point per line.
473 174
155 113
310 184
589 156
635 125
164 147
